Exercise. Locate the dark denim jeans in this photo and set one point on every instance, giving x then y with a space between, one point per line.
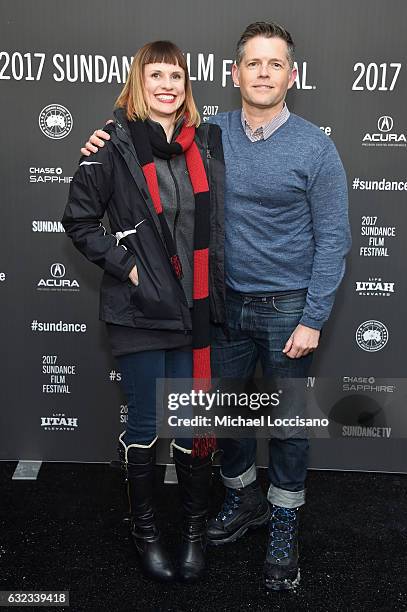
259 327
139 374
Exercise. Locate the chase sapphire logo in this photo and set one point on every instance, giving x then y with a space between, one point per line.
55 121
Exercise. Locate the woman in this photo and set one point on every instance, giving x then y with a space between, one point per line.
160 180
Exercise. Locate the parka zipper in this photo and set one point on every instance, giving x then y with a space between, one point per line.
178 206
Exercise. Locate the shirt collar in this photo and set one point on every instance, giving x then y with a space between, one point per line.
267 129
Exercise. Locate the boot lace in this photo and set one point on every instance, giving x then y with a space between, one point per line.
231 503
282 532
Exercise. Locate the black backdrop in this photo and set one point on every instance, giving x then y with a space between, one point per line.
61 66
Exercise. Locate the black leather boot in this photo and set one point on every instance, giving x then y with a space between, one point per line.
194 478
138 464
242 509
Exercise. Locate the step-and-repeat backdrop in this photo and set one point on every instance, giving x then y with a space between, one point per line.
61 68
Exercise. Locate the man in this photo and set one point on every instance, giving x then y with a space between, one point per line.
286 238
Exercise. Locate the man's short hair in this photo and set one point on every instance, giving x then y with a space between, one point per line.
267 29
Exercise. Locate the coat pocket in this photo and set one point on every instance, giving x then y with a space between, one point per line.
155 295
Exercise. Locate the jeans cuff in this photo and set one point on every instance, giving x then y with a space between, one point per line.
239 482
285 499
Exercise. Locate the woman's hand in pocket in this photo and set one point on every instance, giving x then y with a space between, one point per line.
133 276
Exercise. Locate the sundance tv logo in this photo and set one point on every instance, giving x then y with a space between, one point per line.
372 336
57 282
55 121
385 136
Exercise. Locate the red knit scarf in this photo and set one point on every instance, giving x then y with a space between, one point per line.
149 143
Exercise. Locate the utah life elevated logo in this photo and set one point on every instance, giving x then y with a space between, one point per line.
374 287
59 422
385 136
57 282
55 121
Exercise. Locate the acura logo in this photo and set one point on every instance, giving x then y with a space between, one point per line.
385 124
57 270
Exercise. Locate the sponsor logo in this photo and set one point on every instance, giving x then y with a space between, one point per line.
57 282
47 175
385 124
57 326
366 384
57 270
50 227
358 431
55 121
59 422
379 185
384 137
372 336
374 287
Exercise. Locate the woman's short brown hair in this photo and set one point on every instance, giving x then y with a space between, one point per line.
132 97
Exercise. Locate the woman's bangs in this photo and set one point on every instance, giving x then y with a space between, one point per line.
164 52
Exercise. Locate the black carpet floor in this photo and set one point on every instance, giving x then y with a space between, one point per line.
64 531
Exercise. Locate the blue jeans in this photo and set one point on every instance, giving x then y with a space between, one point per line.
139 374
259 327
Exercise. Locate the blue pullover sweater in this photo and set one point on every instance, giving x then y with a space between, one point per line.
286 219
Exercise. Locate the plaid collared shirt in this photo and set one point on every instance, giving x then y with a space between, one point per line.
266 130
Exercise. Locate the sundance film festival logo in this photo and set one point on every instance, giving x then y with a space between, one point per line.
57 282
124 413
55 121
59 422
372 336
374 287
47 226
384 137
